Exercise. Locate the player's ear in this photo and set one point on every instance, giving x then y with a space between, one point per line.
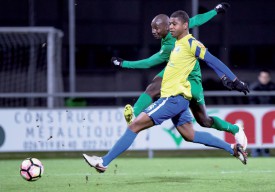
185 25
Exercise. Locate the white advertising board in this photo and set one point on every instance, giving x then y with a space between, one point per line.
94 129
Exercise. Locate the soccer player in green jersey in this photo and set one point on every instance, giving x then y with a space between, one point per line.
160 30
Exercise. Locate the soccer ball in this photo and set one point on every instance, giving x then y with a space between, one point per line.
31 169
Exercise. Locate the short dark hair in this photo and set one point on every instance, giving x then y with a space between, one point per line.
265 71
182 15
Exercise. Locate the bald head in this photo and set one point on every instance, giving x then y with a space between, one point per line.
161 19
160 26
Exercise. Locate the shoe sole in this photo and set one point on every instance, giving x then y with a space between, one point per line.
244 154
96 168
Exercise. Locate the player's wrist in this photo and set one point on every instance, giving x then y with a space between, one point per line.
221 7
117 61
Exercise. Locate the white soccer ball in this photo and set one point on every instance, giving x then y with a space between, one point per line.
31 169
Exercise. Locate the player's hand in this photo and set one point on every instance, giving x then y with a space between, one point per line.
227 83
240 86
222 7
117 61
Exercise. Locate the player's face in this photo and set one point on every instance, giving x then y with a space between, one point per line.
177 28
159 29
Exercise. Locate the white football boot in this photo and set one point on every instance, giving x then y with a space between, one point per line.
240 153
95 162
240 136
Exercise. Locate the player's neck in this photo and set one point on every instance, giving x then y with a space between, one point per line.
183 35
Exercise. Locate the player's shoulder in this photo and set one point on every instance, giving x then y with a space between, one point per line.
167 47
194 42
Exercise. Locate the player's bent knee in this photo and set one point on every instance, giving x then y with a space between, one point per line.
188 139
153 92
133 127
205 122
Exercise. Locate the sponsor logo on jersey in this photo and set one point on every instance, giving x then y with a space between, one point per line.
177 49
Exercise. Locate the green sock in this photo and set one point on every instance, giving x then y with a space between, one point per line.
222 125
142 103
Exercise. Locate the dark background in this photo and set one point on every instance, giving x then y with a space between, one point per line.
243 37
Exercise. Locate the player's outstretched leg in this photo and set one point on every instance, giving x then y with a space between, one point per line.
200 114
142 122
212 141
237 130
205 138
101 163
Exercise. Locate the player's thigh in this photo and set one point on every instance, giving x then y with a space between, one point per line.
181 118
187 131
199 111
143 121
166 108
200 114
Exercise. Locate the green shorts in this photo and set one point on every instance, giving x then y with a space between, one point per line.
197 91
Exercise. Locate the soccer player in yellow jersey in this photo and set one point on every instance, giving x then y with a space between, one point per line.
174 101
160 30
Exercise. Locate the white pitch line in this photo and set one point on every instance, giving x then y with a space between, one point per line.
252 171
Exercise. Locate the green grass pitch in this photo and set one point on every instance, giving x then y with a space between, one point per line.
141 174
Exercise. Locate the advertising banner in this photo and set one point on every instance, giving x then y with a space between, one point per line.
92 129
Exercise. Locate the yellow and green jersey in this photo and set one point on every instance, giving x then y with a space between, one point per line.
183 60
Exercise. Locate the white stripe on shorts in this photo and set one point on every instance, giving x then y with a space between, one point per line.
159 106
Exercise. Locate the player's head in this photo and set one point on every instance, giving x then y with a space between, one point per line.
160 26
178 24
264 76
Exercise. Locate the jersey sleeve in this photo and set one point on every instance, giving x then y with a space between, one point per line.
200 19
201 52
156 59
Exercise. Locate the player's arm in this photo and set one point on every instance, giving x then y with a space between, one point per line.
156 59
200 19
217 65
202 53
225 73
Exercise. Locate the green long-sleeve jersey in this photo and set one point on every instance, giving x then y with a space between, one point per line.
167 45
